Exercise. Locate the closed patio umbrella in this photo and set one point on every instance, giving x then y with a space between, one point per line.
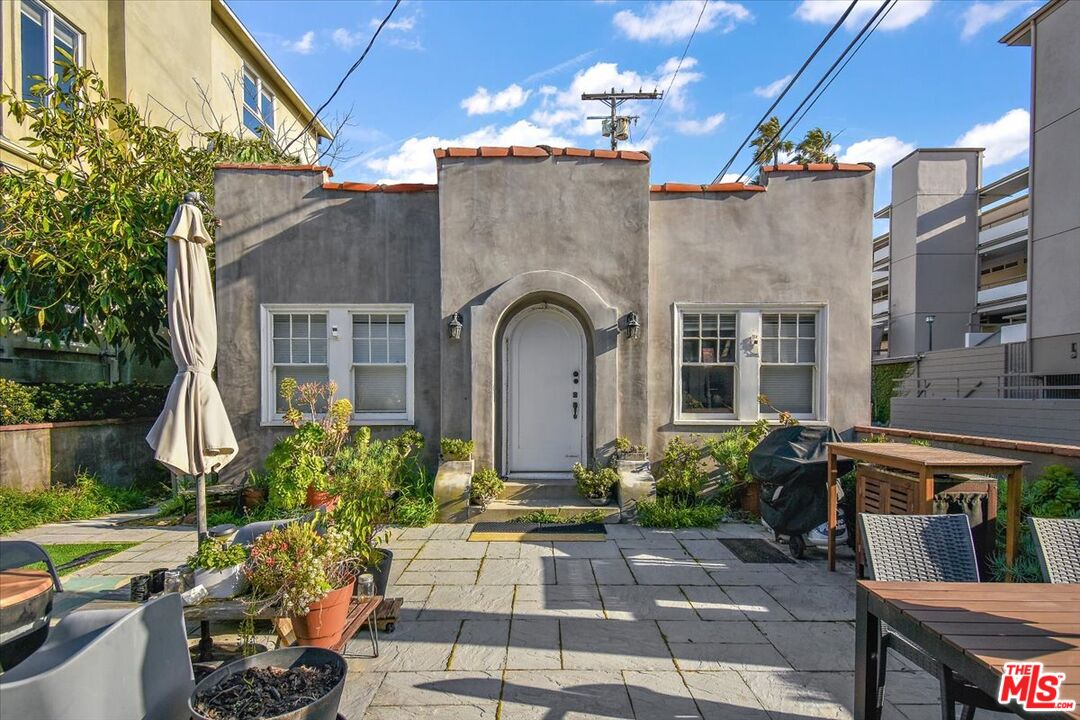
192 436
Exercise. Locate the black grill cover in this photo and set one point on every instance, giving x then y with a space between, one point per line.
792 467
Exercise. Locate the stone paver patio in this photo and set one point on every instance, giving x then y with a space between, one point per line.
646 624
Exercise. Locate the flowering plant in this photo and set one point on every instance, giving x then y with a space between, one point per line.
294 566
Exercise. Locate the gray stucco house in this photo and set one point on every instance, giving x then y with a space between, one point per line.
591 304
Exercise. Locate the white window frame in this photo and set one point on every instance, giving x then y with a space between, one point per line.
260 90
339 357
748 362
51 18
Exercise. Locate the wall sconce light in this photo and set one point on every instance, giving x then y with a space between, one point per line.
633 326
755 342
454 326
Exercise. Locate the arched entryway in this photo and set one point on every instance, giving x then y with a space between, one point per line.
544 393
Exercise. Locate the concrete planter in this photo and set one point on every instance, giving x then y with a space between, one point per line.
452 483
636 483
223 584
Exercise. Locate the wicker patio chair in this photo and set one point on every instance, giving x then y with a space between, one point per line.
923 548
1057 542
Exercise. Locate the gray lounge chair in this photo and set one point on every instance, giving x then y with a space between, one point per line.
107 665
1057 542
923 548
24 626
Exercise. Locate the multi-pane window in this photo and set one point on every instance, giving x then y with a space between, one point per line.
789 361
299 351
728 356
258 104
707 374
47 42
380 362
367 350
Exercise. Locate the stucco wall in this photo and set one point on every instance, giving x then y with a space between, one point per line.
503 218
286 240
801 242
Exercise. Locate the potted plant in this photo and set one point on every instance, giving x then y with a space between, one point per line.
218 568
485 486
292 682
254 493
456 449
626 450
308 575
595 485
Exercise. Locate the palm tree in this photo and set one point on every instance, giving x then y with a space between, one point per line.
768 143
815 146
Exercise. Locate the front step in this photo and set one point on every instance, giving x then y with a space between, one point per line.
520 498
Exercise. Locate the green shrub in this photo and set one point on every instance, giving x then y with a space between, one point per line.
682 470
63 402
1054 494
731 451
883 377
547 517
672 512
87 498
415 505
456 448
596 484
217 554
17 404
485 486
624 448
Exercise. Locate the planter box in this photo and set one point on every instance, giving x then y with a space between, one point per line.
636 482
36 456
222 584
452 483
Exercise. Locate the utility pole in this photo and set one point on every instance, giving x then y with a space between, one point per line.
618 126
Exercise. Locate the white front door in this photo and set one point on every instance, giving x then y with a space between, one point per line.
544 394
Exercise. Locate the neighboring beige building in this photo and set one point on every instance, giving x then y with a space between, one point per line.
189 63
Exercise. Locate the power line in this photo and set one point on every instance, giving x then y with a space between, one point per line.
678 67
787 87
352 69
787 123
837 74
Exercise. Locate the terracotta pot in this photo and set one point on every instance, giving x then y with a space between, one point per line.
321 498
750 500
325 619
252 497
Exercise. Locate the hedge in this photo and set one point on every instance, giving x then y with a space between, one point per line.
60 402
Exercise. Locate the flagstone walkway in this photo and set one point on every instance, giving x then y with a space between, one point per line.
646 624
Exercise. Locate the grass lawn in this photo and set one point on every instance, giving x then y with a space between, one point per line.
66 552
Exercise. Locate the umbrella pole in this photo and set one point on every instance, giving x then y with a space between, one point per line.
200 506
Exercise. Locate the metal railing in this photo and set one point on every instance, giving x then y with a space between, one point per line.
1014 386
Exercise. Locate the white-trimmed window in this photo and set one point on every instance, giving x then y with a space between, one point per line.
366 349
789 362
45 39
727 356
258 104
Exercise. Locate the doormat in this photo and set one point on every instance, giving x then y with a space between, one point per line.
519 531
755 551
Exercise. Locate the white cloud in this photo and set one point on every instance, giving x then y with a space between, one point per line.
346 39
829 11
414 160
980 14
1004 139
700 127
482 102
675 19
882 151
567 111
402 24
772 89
305 45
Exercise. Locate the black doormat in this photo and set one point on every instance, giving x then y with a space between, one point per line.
483 531
755 551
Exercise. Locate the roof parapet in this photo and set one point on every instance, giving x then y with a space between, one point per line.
539 151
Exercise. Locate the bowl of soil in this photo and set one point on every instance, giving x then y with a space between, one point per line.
295 683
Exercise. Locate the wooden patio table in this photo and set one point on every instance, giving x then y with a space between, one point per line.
973 629
925 463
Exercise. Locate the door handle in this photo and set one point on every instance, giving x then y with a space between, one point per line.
575 409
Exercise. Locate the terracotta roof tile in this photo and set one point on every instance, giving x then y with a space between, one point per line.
634 155
369 187
524 151
271 166
577 152
540 151
733 187
819 167
462 152
605 154
494 151
718 187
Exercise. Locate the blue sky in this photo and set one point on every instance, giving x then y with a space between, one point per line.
499 73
